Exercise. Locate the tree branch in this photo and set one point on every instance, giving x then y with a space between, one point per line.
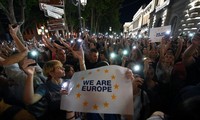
4 9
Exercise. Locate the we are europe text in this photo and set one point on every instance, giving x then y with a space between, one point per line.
97 86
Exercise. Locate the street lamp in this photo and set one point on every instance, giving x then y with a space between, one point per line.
79 3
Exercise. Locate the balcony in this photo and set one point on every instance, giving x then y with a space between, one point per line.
160 7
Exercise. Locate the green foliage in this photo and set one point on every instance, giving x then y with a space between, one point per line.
98 15
105 14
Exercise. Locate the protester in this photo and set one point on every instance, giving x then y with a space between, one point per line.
12 111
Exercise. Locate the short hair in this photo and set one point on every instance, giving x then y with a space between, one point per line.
104 53
50 66
67 67
101 64
93 50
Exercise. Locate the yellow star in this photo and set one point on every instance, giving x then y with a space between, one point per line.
85 103
95 107
98 70
90 73
113 77
78 95
106 104
116 86
113 97
106 71
82 78
78 85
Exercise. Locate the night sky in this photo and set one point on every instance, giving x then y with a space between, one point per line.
129 8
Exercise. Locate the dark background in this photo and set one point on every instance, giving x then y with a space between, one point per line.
129 8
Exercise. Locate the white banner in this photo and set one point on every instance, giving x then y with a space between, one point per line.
100 90
54 15
51 8
157 33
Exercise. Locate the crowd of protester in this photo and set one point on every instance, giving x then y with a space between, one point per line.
165 75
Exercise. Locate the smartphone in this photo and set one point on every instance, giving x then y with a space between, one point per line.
33 55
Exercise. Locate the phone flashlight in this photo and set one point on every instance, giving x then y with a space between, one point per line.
144 58
66 87
191 34
79 40
139 36
134 47
33 55
125 52
168 32
136 68
112 55
71 41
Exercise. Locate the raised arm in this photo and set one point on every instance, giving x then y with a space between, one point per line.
80 56
179 49
48 44
13 32
189 52
18 56
162 50
29 96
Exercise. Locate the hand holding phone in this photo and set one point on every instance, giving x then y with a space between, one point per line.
33 55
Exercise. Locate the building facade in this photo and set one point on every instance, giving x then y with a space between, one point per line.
182 15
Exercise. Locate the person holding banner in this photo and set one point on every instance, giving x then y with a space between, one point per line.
48 96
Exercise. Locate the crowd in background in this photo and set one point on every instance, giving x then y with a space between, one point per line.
165 75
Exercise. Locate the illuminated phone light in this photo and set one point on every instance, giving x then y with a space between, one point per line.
71 41
64 85
34 53
79 40
136 68
112 55
144 58
168 32
125 52
191 34
134 47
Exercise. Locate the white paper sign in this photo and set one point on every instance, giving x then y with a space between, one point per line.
100 90
157 33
